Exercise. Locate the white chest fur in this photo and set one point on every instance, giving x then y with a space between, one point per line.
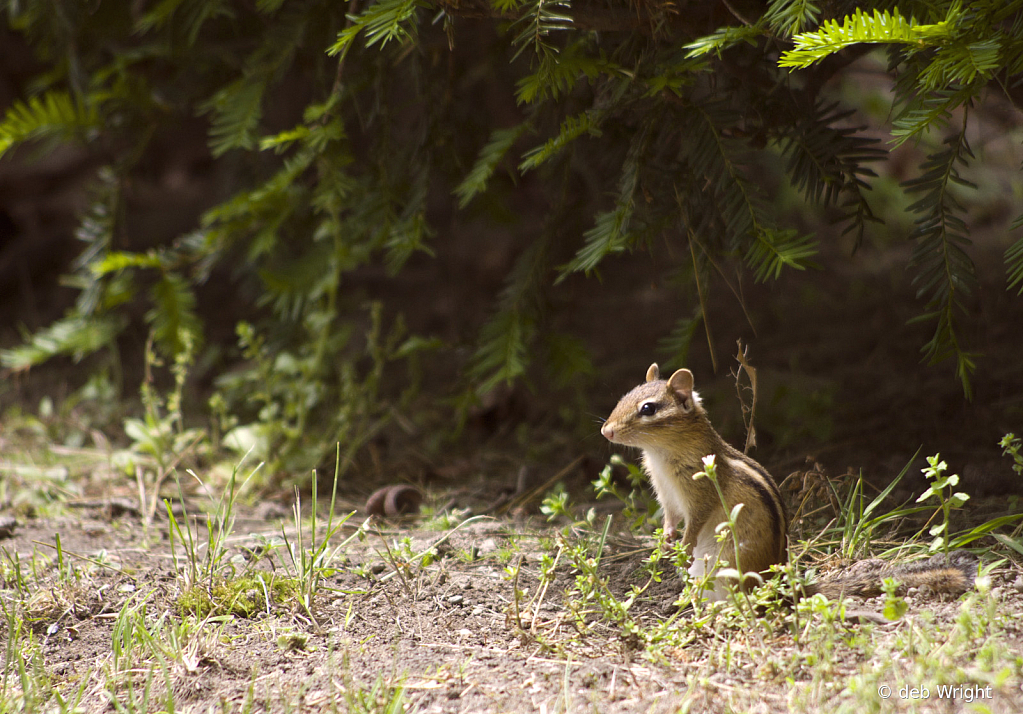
671 492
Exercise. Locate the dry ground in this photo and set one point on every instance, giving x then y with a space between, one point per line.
390 631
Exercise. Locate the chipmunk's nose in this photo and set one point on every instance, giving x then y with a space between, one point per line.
608 432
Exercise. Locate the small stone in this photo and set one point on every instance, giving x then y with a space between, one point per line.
7 526
456 599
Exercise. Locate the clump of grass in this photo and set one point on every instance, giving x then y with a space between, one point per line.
204 562
386 695
316 561
216 584
244 596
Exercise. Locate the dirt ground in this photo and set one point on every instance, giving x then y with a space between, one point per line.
446 631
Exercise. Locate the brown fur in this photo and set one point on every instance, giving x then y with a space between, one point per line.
674 440
951 574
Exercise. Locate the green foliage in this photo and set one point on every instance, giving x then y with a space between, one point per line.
675 345
857 521
611 233
1014 260
383 21
538 20
54 116
935 473
829 163
773 250
571 129
724 39
491 155
946 276
73 335
788 17
876 27
944 60
640 509
336 130
160 434
1012 446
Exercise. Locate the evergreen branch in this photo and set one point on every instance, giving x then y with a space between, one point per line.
571 129
382 22
258 213
116 261
710 153
946 275
558 73
827 161
503 352
675 345
724 39
502 355
611 233
74 335
788 17
774 249
649 19
408 234
96 230
962 62
877 27
53 115
1014 260
173 314
237 110
928 111
193 13
567 359
541 19
475 182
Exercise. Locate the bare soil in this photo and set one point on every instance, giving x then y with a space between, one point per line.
446 633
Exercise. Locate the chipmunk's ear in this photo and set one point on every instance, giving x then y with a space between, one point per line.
681 383
654 373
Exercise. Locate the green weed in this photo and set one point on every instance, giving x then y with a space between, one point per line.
640 509
935 473
1012 446
317 560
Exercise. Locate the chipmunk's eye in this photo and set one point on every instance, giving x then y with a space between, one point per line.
649 409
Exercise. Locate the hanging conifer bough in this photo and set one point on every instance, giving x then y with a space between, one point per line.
330 125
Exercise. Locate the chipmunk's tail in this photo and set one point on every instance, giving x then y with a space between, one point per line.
953 573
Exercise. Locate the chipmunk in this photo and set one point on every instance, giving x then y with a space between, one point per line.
665 418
